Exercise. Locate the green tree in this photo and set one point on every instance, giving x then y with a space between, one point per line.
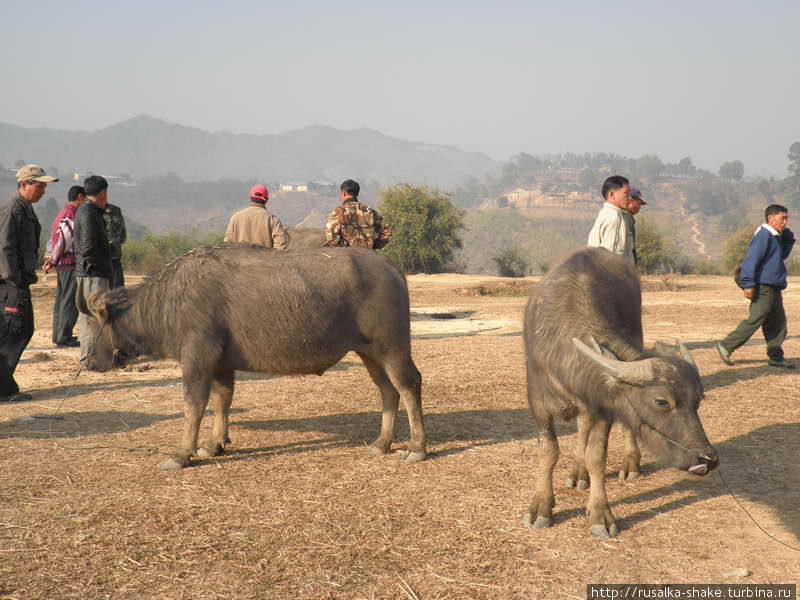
735 247
685 166
426 227
732 170
649 165
511 263
656 254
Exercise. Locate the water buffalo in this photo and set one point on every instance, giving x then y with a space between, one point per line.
305 238
585 358
284 312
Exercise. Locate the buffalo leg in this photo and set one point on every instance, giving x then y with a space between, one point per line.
390 399
603 523
407 379
631 459
579 476
196 387
221 397
540 512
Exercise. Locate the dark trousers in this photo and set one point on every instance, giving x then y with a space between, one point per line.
766 312
65 311
118 280
16 330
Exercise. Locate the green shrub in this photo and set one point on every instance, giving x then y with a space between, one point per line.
656 254
511 263
735 248
426 227
152 252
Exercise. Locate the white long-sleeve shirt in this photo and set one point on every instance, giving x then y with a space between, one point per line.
613 230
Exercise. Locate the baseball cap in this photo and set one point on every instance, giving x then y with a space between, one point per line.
259 192
34 173
637 194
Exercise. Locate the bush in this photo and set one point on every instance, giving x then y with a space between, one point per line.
152 252
657 255
511 263
706 267
735 248
426 227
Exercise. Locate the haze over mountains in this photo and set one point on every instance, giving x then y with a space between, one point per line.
148 147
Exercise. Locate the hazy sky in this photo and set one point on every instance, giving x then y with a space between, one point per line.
715 80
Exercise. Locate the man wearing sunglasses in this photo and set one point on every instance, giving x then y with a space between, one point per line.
19 253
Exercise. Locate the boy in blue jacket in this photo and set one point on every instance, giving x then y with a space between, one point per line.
763 279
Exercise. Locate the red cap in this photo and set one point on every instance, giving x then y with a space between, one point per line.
259 193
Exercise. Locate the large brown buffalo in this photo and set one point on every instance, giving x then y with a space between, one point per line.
585 358
238 307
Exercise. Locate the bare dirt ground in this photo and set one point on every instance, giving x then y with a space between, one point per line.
297 509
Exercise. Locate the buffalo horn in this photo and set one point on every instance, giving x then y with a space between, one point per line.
636 372
685 354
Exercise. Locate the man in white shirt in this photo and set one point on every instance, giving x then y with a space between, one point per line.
613 228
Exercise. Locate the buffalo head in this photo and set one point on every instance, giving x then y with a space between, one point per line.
109 349
658 398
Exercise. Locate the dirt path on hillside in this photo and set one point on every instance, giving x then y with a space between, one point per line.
693 219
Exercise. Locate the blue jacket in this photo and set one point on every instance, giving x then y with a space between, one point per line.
764 262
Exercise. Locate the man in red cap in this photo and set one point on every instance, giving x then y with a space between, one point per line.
255 225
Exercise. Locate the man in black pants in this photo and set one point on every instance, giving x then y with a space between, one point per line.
19 250
93 267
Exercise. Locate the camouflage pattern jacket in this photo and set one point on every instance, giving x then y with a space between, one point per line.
117 234
355 224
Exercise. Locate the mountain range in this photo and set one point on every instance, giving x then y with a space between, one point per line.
148 147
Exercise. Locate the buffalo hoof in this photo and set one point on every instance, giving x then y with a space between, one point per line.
173 463
210 451
376 451
580 484
600 531
629 476
412 457
539 523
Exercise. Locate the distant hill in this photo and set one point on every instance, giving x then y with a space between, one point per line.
148 147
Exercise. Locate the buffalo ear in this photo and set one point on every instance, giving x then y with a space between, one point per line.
676 350
97 305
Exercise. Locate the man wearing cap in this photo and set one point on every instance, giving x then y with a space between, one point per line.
256 225
613 227
19 253
635 204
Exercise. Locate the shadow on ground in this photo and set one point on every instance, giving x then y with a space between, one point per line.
759 468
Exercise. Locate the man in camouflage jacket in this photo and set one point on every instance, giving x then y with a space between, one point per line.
117 235
355 224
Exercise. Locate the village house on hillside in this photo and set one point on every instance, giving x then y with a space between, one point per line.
528 199
319 187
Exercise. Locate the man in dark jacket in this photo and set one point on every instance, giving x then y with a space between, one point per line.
61 255
19 253
93 267
355 224
117 235
763 279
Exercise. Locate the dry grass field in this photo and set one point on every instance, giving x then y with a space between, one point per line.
297 509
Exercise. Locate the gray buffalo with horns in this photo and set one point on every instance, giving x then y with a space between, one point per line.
236 307
585 358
